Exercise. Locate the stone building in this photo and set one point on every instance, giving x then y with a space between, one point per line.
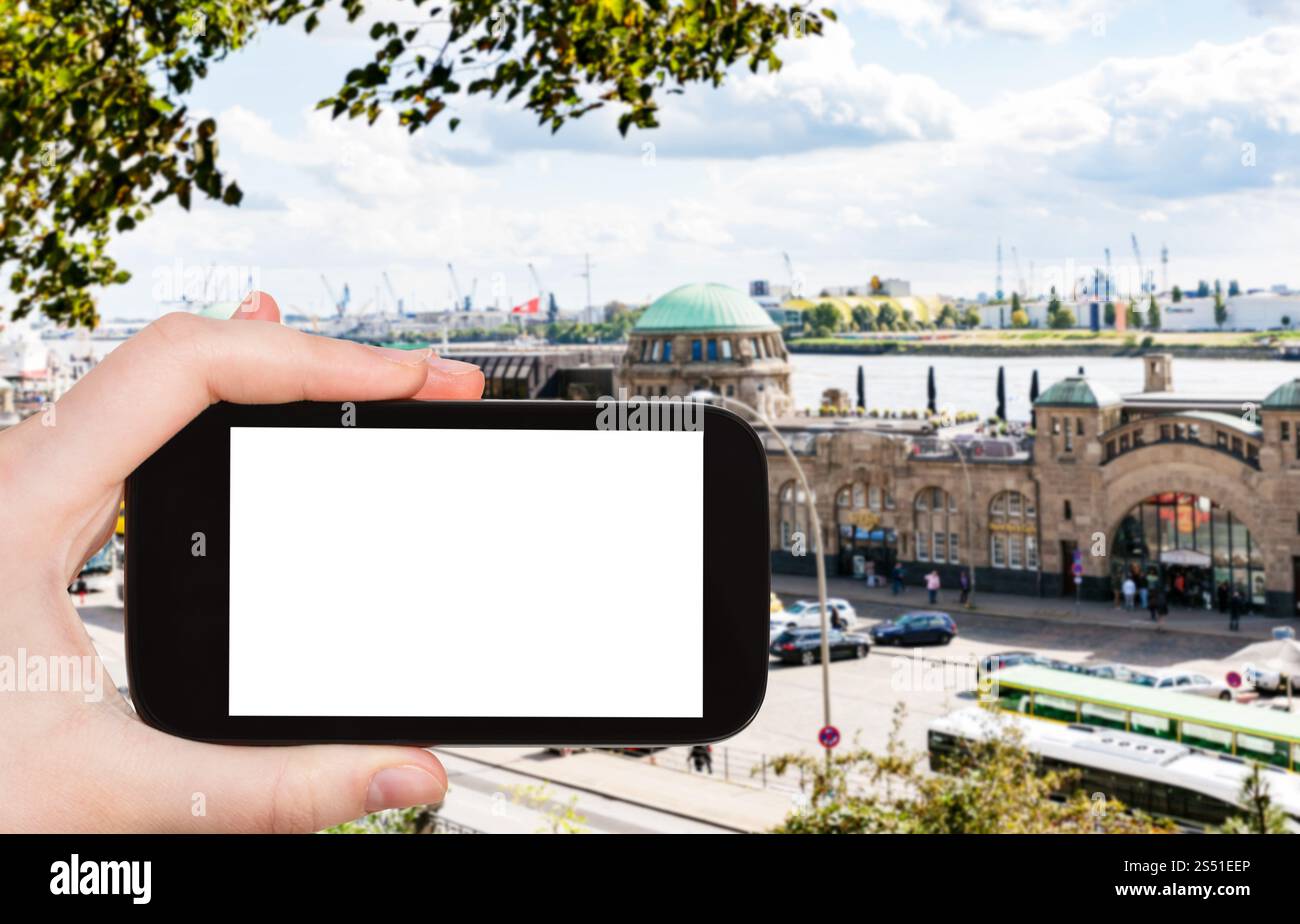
708 337
1203 492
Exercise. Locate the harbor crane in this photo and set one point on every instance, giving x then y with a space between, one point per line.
1020 278
340 304
462 304
397 302
1137 255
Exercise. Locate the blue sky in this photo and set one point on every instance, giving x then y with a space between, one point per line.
904 142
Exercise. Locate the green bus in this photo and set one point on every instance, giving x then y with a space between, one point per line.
1220 726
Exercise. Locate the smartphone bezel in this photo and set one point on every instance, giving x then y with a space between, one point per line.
176 603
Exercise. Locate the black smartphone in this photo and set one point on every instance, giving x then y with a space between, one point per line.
485 572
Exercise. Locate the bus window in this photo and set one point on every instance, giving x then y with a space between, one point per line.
1056 707
1265 750
1203 736
1152 725
1013 700
1105 716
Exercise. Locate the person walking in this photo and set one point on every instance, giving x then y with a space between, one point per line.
1235 605
898 578
1154 598
1130 592
963 580
932 585
702 758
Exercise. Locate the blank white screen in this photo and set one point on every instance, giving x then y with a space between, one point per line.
466 572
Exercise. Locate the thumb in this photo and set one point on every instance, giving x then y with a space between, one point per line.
193 787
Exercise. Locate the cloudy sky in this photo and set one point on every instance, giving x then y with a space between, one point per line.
904 143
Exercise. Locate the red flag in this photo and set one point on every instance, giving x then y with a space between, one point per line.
532 306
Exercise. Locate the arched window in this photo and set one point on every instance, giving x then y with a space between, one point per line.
848 500
934 514
792 507
1013 532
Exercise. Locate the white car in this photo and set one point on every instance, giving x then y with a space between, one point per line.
806 614
1186 682
1262 678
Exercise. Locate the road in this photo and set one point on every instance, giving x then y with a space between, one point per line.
864 694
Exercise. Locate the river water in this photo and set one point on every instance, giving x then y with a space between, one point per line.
969 383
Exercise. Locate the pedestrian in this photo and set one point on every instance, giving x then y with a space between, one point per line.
963 580
1222 594
1154 598
932 585
898 578
1236 604
1130 591
702 758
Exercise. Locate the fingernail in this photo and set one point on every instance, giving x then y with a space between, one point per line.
452 366
401 787
403 357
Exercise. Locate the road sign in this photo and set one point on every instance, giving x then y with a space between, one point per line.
1234 679
829 736
1077 567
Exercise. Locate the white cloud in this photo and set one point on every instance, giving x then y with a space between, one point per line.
1037 20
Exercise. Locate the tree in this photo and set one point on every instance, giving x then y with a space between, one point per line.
1061 319
931 394
1233 288
1134 316
1176 294
862 389
1053 306
887 317
1220 310
1202 289
864 317
1015 302
1019 318
95 131
1260 814
971 319
824 320
992 787
947 316
1153 314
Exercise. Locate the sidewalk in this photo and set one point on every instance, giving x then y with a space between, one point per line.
792 587
690 796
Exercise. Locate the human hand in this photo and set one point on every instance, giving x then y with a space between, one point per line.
69 764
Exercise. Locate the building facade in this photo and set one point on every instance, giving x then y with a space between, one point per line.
1202 493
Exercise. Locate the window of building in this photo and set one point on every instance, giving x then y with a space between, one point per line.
935 514
726 349
1012 527
1286 431
713 351
889 498
731 391
1078 426
697 350
793 515
873 497
668 351
953 557
656 351
1056 427
1069 511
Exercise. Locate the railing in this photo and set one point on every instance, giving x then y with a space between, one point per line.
1132 436
752 768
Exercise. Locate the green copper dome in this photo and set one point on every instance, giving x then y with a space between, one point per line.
1076 391
1284 397
704 306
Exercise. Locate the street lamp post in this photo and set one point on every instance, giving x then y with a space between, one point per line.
815 524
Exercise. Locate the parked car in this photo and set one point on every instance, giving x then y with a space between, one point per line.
807 613
776 625
804 646
1262 678
1185 682
1004 659
1111 671
915 629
